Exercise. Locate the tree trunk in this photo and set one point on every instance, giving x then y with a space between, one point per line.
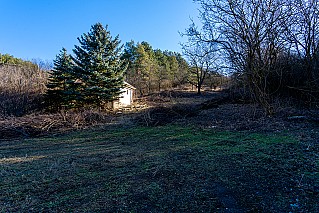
199 89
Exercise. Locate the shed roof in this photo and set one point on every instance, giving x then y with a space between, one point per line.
127 85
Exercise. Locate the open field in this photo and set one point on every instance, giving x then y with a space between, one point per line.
195 163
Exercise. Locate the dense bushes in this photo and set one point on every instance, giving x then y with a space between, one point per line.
290 80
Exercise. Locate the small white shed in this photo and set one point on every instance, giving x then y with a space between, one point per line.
126 98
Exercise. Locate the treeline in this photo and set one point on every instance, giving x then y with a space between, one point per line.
271 48
152 70
9 59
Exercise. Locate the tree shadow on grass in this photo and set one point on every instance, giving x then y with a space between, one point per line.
162 169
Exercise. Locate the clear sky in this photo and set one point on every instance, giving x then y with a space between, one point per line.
38 29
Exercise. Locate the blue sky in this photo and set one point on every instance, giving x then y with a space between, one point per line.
38 29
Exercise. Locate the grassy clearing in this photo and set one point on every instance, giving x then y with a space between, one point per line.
163 169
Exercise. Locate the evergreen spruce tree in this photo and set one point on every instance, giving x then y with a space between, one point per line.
98 67
61 87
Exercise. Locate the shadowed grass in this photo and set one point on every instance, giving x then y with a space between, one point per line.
163 169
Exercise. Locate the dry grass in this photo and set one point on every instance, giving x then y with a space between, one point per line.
163 169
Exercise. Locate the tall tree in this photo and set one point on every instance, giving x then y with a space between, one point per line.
182 74
163 68
130 55
202 58
98 66
145 65
61 86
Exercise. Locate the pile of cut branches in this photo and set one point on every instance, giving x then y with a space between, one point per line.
38 125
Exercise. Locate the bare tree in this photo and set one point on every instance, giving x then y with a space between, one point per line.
249 33
303 34
202 58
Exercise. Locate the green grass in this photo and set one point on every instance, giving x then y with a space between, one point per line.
162 169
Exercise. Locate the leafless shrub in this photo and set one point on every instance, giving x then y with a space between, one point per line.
21 89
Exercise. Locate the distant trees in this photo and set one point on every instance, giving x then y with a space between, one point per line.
152 70
9 59
93 76
260 40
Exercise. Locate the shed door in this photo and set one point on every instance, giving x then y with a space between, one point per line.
126 97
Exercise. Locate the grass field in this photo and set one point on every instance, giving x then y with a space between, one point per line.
172 168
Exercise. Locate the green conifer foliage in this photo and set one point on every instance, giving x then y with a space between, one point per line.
98 66
62 89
